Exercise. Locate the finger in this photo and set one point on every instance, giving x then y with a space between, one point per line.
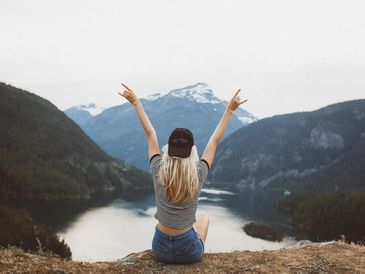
124 94
128 97
238 91
121 94
126 87
244 101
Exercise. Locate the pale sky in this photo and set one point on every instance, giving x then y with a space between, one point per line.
286 55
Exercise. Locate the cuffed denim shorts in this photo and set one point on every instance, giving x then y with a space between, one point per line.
184 248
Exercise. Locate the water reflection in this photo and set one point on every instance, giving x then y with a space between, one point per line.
60 214
108 233
114 230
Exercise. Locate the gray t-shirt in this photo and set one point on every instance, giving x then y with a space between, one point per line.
180 215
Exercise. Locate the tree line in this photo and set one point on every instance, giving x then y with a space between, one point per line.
328 216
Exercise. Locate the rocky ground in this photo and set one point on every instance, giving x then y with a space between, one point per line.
333 257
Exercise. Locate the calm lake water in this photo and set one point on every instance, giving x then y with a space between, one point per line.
108 230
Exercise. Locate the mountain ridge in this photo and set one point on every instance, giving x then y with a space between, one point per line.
45 155
118 131
199 92
297 151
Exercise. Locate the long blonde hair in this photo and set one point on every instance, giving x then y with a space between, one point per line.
179 176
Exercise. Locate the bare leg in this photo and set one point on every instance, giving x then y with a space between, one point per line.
201 225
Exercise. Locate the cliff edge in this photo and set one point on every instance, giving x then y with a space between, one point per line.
332 257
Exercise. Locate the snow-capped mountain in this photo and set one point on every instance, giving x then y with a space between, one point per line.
91 108
119 132
82 113
202 93
199 92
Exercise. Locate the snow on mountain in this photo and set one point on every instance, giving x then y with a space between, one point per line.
244 117
199 92
117 128
153 97
91 108
82 114
202 93
246 120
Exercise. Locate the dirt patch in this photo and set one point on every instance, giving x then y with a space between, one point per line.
333 257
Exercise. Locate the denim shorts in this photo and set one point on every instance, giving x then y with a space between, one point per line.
184 248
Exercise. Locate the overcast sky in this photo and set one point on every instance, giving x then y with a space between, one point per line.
287 55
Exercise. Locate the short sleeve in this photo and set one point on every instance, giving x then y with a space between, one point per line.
155 163
203 170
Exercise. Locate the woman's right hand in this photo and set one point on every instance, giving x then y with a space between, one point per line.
235 102
129 95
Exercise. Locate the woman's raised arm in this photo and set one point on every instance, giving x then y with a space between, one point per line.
143 118
210 149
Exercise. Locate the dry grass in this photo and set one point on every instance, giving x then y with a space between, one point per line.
333 257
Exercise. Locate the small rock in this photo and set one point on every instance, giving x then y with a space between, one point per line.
58 271
125 261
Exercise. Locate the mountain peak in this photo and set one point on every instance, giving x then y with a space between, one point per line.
199 92
92 108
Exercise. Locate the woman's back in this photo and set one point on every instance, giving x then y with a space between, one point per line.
176 215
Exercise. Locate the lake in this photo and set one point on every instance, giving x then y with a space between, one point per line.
108 230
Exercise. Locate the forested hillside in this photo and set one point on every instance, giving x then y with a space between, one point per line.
45 155
322 150
327 216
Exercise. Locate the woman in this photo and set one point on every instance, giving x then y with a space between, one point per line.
178 177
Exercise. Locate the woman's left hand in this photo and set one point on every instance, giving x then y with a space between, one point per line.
235 102
129 95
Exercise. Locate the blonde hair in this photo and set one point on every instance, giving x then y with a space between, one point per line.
179 176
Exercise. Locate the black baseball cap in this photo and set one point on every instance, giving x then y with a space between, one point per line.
180 142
